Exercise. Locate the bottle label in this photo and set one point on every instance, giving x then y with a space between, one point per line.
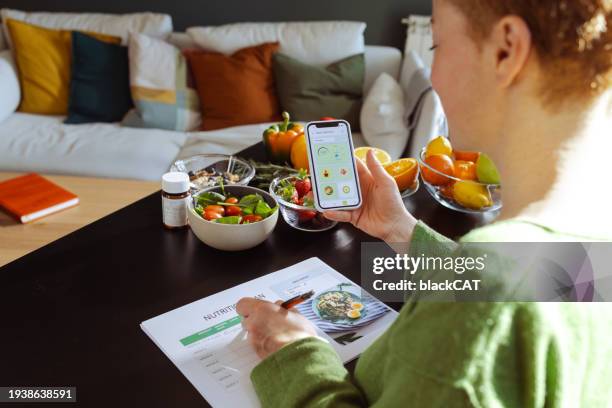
175 211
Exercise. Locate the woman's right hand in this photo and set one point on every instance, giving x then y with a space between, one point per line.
382 213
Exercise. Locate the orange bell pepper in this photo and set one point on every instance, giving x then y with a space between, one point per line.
279 137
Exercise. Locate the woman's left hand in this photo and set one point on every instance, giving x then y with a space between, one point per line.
270 326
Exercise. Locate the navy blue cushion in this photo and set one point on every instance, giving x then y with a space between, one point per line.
100 83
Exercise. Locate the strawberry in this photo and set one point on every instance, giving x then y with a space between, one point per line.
306 215
295 198
303 186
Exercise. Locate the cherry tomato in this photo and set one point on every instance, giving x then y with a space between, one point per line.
247 219
216 208
233 210
232 200
211 215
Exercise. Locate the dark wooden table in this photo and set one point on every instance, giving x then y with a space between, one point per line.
70 311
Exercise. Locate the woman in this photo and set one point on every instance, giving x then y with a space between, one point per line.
529 82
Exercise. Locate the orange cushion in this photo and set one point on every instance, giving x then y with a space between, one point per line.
235 90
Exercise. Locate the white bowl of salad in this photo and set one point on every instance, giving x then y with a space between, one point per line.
232 218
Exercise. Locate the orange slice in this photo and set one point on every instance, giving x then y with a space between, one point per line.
404 171
382 156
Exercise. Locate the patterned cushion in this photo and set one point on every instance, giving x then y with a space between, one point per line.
161 90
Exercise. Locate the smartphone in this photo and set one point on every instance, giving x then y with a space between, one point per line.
333 171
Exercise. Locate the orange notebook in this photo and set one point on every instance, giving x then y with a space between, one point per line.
32 196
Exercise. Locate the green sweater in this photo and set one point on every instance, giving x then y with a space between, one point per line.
458 354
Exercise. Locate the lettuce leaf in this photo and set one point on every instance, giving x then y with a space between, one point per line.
210 198
233 219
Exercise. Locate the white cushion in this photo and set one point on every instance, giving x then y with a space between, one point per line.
430 123
314 43
119 25
379 59
424 114
181 40
9 84
382 116
44 144
3 44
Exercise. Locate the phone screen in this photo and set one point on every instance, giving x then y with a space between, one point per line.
332 162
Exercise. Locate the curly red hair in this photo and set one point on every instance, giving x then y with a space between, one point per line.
572 38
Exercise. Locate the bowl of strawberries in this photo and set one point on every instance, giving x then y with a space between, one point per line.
296 202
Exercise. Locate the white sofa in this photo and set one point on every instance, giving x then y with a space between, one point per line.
44 144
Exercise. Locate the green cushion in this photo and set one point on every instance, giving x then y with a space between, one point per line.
100 83
309 93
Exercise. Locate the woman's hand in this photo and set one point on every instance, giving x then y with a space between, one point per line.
271 327
382 213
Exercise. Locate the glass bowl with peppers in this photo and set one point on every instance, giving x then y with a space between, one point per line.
278 139
296 202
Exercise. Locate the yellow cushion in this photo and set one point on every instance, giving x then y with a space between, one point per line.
44 59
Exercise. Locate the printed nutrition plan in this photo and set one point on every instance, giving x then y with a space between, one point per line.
205 340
